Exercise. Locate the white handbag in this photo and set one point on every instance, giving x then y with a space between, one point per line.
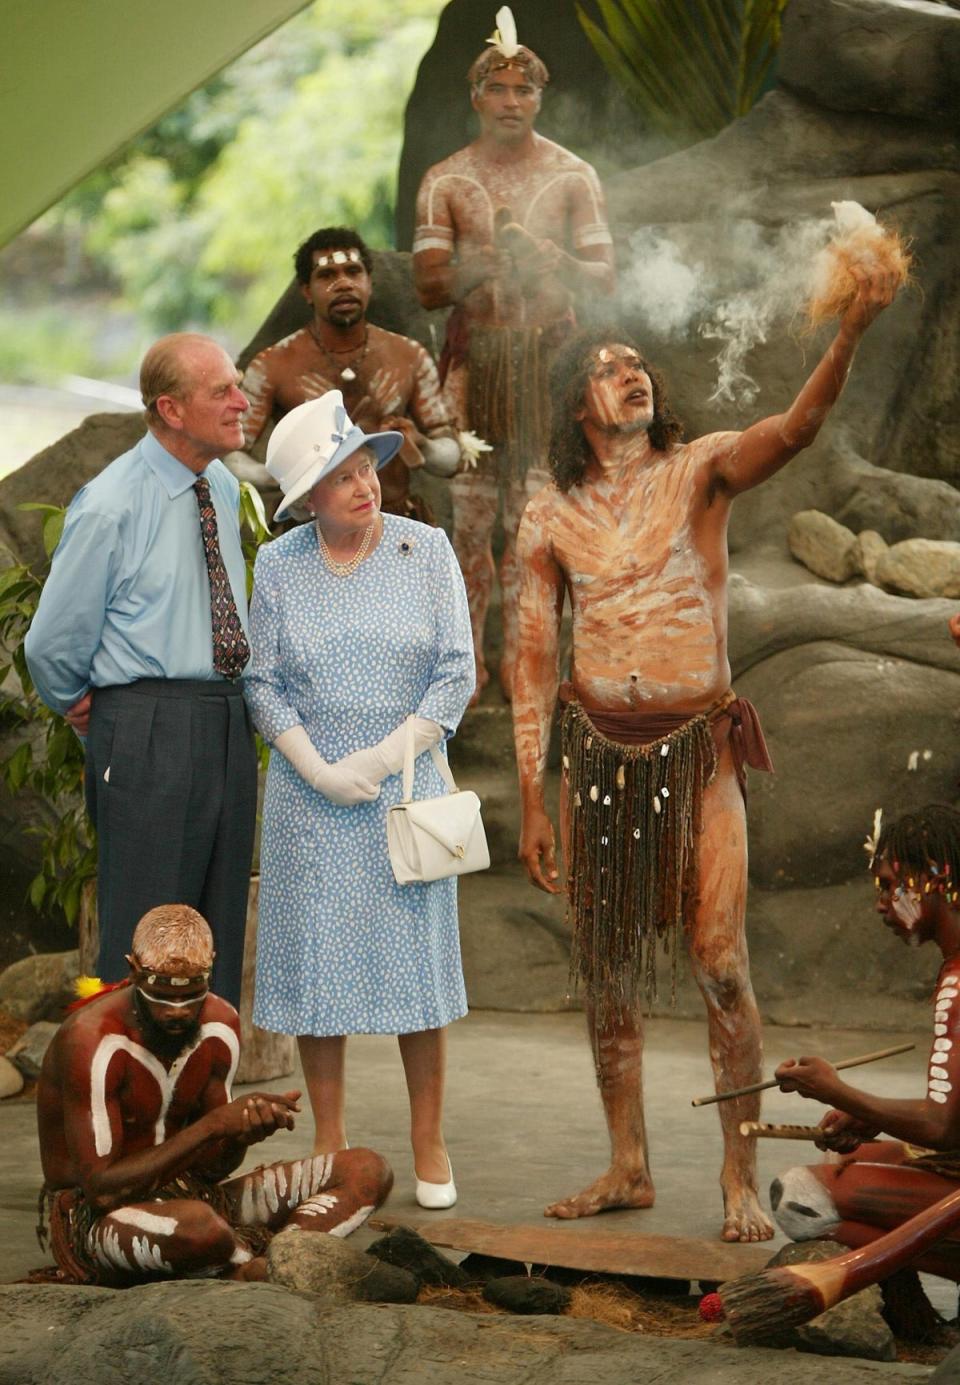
432 838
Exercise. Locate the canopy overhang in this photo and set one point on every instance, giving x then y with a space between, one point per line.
81 78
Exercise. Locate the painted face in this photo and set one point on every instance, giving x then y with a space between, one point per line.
901 904
348 498
169 1009
209 413
339 288
508 104
619 393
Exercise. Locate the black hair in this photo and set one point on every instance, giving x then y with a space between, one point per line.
330 238
928 837
569 452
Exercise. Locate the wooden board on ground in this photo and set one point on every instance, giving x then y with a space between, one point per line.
591 1247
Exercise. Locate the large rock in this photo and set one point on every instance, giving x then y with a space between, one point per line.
210 1333
855 1327
895 56
315 1263
28 1052
841 743
55 475
827 548
921 567
898 506
11 1079
39 987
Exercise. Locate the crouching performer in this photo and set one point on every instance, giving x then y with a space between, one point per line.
881 1184
633 528
138 1131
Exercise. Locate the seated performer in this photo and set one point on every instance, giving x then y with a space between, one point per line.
137 1130
916 867
633 527
388 382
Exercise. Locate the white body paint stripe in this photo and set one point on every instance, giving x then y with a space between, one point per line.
111 1044
351 1223
145 1221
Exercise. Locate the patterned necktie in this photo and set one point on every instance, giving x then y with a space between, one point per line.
230 648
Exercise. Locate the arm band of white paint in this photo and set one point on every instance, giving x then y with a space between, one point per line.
297 747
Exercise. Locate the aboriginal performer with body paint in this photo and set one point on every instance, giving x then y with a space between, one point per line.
883 1183
633 528
388 381
138 1130
510 230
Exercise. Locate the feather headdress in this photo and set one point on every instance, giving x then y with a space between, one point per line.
504 35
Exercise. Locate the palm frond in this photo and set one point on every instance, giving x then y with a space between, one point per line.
689 66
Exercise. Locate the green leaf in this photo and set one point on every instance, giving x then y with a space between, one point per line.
38 891
52 529
688 66
17 767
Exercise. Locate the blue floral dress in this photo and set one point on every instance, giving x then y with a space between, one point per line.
342 948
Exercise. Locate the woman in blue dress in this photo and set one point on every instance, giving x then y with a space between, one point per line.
358 620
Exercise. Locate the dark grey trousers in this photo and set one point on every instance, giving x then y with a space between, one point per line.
171 786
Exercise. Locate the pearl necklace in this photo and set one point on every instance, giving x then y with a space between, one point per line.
344 569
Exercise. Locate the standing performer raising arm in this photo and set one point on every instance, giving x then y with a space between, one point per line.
655 742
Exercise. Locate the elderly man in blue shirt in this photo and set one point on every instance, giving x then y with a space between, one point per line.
139 641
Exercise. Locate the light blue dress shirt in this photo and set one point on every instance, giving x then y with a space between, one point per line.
128 594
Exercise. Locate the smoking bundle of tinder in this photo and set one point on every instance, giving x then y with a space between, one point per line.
859 241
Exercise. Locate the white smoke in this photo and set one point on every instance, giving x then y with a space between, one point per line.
735 284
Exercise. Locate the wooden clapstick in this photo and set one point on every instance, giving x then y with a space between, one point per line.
763 1086
760 1130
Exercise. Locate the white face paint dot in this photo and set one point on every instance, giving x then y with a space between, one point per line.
938 1097
948 993
941 1045
939 1029
937 1086
938 1072
594 793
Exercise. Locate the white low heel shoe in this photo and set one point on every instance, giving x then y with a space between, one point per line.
435 1196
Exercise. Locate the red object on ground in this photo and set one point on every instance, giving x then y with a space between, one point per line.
711 1308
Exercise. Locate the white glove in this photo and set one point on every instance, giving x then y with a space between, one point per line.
441 456
342 785
376 762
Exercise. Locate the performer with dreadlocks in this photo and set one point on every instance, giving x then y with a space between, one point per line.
654 740
916 868
137 1130
509 230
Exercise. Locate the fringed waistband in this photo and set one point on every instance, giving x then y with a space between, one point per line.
507 390
635 783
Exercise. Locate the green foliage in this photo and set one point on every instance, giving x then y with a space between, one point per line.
49 759
197 220
689 66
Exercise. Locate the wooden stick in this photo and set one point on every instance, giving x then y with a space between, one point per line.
763 1086
761 1306
761 1131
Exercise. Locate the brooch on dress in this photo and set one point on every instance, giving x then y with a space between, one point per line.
405 546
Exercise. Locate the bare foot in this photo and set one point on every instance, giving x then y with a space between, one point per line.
744 1219
615 1188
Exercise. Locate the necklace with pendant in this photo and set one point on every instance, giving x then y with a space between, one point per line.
344 569
346 372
